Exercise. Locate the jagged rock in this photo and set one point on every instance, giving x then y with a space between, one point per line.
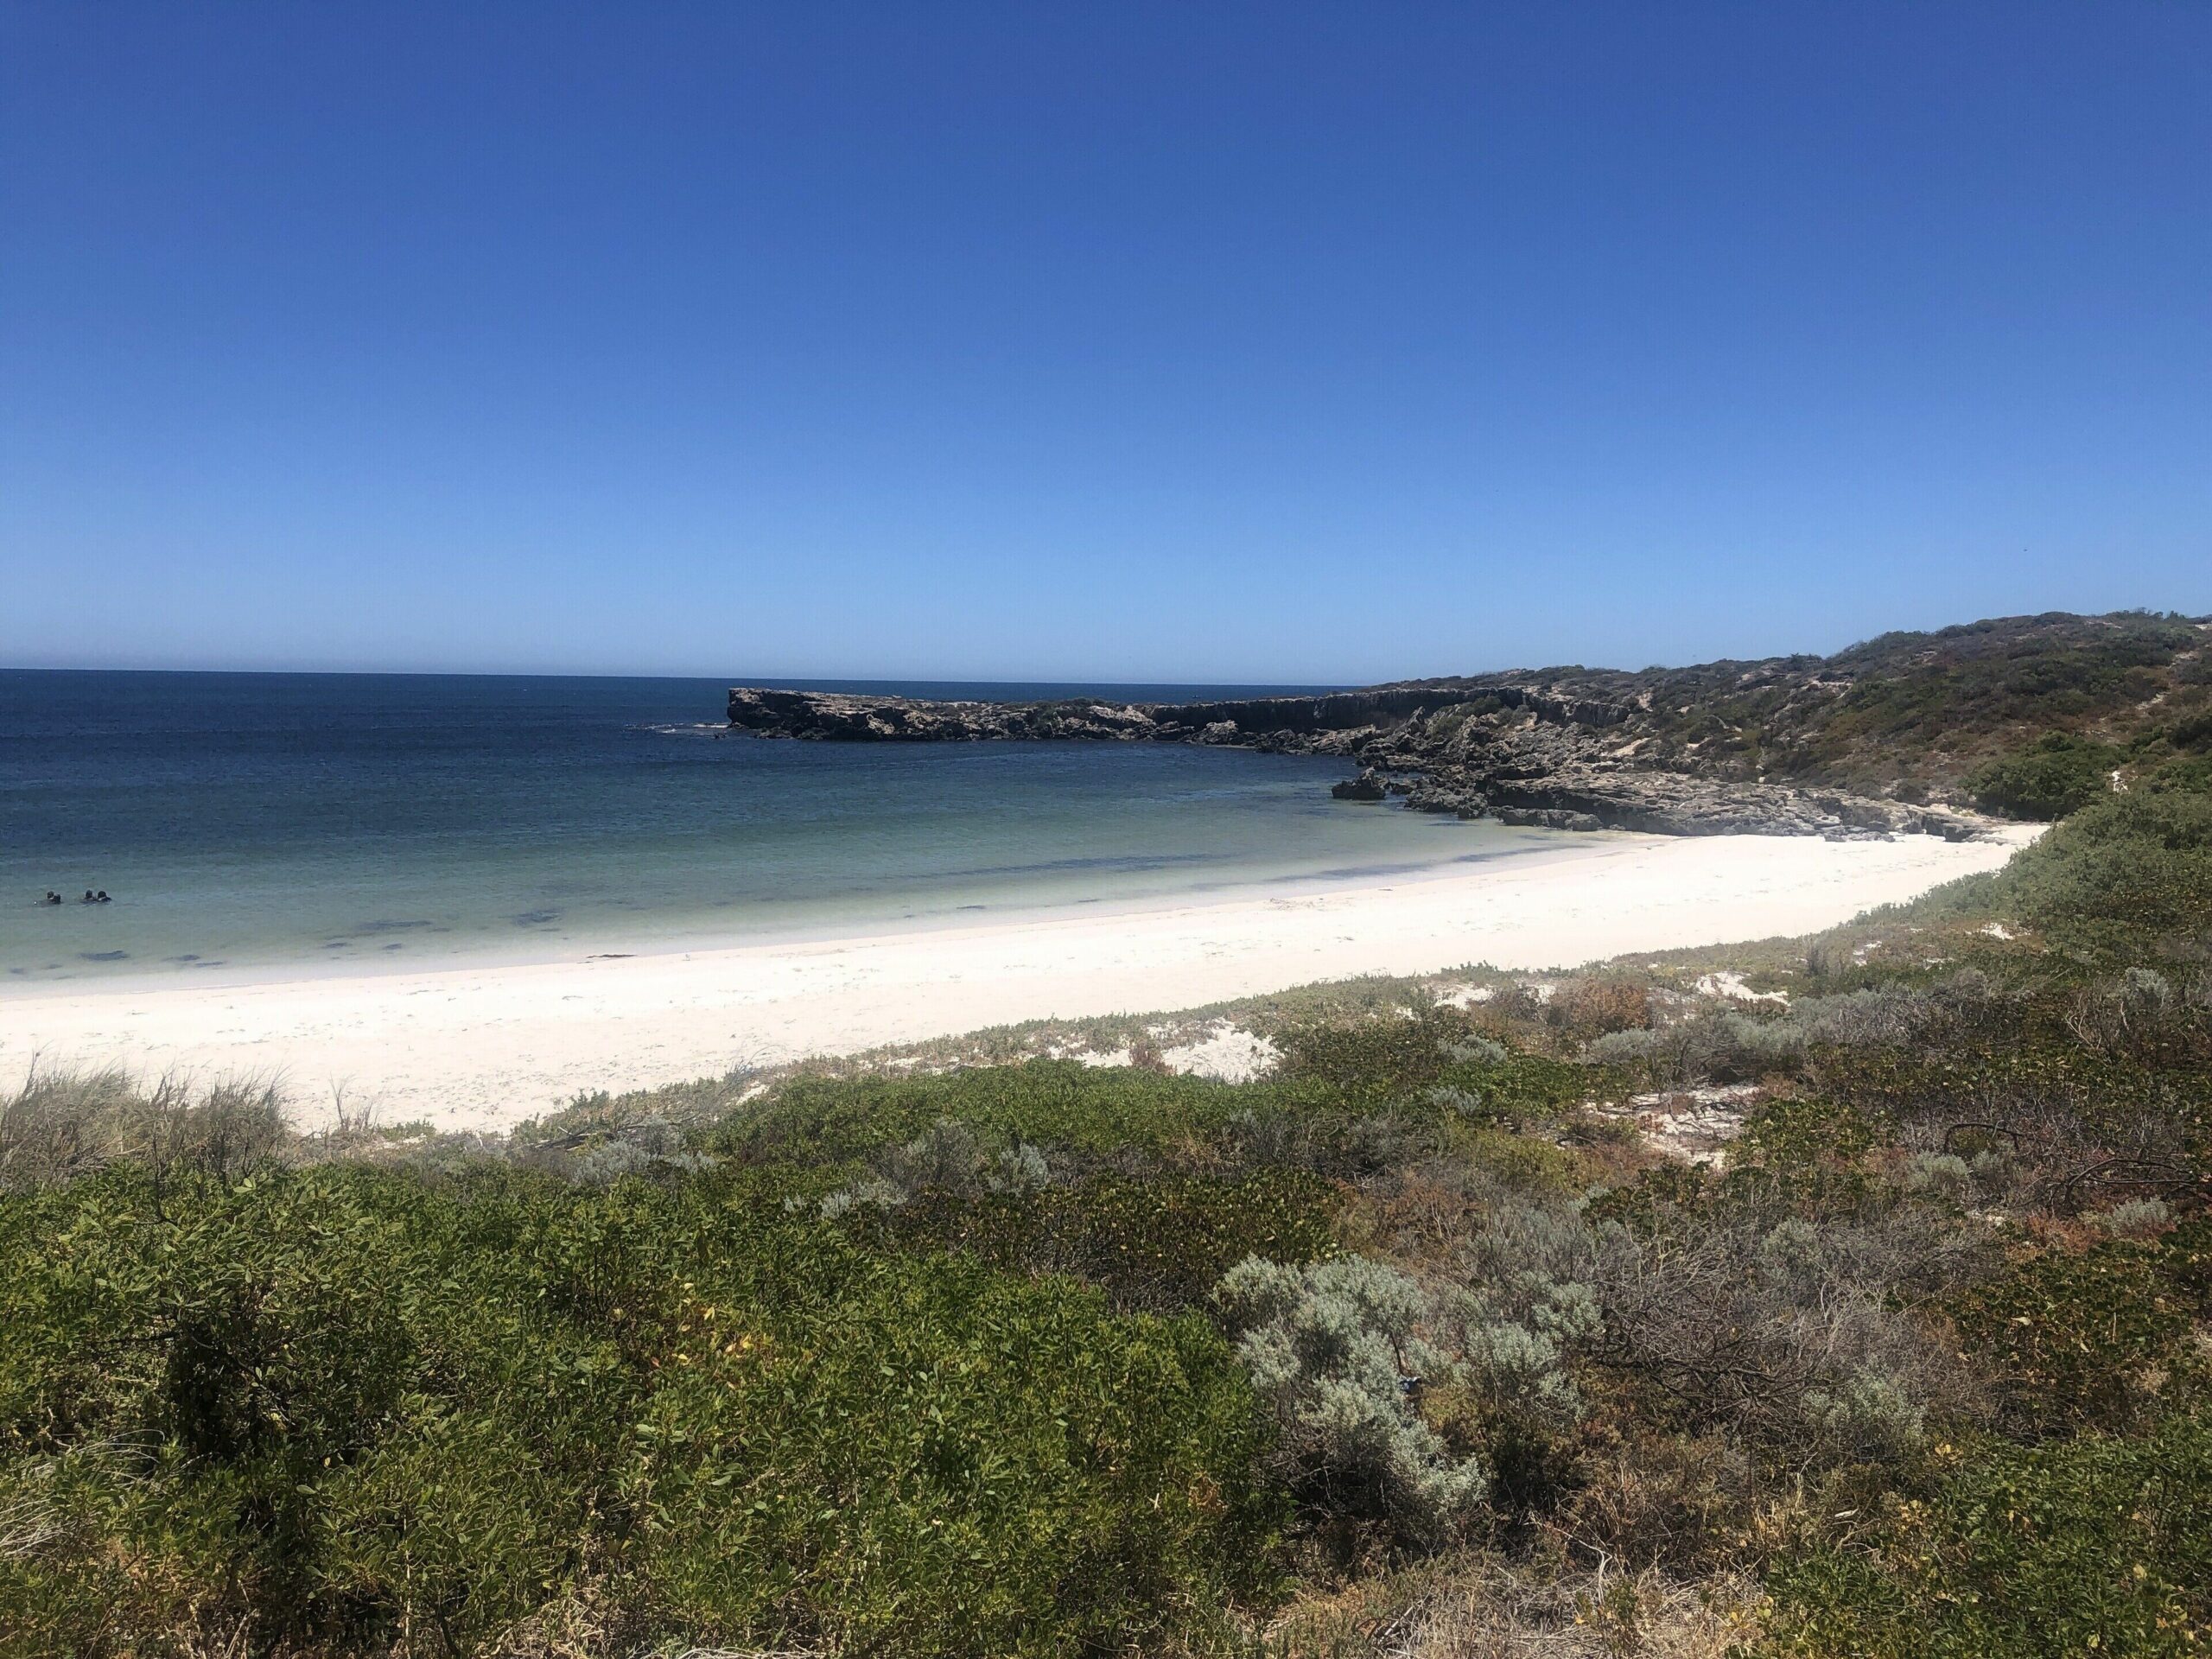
833 717
1546 817
1523 752
1434 794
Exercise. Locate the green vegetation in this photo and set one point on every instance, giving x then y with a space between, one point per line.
1434 1341
2096 1545
2023 716
2048 778
2129 876
344 1407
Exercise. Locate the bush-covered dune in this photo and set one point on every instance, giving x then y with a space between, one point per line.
1837 1297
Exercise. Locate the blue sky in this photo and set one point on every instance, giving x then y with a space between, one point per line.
1189 342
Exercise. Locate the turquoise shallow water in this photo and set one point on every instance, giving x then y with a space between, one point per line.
245 820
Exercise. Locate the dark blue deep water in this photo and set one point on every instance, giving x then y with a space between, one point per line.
245 819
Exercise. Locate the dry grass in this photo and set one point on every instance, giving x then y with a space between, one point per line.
61 1124
1595 1006
1472 1606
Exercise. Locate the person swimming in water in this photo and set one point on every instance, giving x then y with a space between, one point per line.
101 897
88 899
52 897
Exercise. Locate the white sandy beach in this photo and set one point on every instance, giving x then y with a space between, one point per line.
485 1046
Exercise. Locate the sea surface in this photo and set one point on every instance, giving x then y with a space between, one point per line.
242 821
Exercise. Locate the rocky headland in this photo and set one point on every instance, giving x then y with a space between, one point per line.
1518 754
1885 738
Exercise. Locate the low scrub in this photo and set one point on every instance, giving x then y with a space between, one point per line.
345 1410
2092 1546
2048 778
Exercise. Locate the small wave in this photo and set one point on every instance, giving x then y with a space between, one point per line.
685 728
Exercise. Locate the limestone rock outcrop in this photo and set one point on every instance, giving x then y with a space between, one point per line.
1522 753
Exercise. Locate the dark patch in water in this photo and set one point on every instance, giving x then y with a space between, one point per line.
393 927
537 918
1138 862
337 944
395 946
106 955
1356 872
190 956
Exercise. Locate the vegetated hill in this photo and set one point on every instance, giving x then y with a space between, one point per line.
1913 712
2023 716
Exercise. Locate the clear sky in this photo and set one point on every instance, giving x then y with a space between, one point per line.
1200 341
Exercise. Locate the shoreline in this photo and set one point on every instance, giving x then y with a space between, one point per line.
484 1046
649 943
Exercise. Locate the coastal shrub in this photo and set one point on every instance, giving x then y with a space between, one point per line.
1967 688
1728 1044
1405 1402
2092 1546
2133 869
2145 1016
2048 778
1793 1135
351 1410
272 1353
1591 1007
1426 1068
1371 1063
649 1146
1883 1015
945 1159
1152 1241
2193 729
1075 1114
2090 1340
2013 1061
1722 1046
1459 1102
1337 1350
2136 1218
1474 1049
951 1462
1808 1328
1523 1089
1944 1173
1524 1259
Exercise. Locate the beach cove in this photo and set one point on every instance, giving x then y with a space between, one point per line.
486 1045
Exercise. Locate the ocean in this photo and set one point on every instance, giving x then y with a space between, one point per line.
344 822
